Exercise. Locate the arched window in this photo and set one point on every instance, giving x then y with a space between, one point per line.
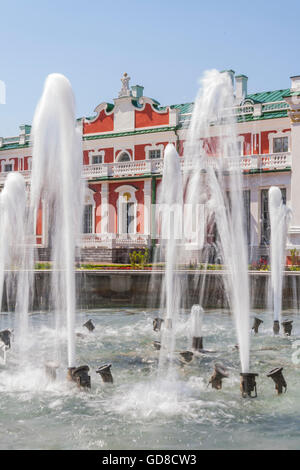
123 157
127 209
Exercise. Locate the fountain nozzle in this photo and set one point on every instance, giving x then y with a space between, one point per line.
89 325
157 324
256 324
105 373
80 376
219 374
248 384
197 343
5 337
157 345
187 356
276 327
277 376
287 327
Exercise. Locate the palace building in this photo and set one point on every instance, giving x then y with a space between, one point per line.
123 151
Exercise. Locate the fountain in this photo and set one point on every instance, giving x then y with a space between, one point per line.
196 328
223 186
279 221
173 396
170 212
56 185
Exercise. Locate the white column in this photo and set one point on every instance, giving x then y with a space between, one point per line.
254 219
104 208
147 206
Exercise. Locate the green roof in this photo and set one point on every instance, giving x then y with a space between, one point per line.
268 96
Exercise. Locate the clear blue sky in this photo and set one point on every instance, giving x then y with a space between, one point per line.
163 45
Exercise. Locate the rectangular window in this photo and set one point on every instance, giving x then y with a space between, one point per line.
96 159
154 154
88 219
280 144
8 167
264 215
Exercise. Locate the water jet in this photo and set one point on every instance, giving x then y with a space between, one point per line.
105 373
50 369
277 376
276 327
248 384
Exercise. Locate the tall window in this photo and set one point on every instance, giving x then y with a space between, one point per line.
280 144
88 219
8 167
265 218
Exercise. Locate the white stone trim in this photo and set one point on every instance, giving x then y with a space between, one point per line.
97 110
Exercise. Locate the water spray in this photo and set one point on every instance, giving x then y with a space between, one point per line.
277 376
50 369
196 328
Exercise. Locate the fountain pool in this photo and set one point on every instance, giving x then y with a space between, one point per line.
140 410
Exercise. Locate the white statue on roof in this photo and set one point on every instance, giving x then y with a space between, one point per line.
125 90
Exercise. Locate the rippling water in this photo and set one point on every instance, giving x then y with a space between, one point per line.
142 410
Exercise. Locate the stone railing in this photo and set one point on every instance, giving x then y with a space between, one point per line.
26 174
113 240
275 161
